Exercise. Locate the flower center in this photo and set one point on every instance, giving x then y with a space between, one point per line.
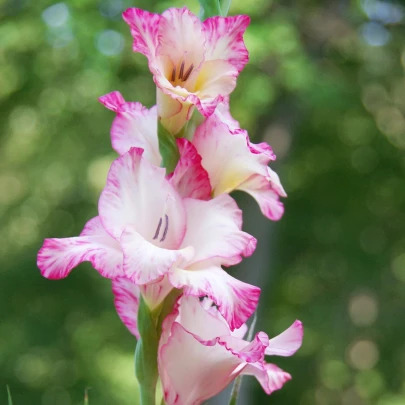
157 232
183 75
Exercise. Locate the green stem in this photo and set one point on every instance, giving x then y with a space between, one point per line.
238 380
146 369
147 397
10 400
235 390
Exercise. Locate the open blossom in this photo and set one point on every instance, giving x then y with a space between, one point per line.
234 163
230 160
193 63
199 355
148 232
214 355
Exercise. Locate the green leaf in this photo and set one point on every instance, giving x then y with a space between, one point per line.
168 149
209 8
225 6
10 400
146 369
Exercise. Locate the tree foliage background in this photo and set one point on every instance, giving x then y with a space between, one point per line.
325 87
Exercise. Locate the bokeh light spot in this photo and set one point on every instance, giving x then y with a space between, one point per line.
374 34
363 309
110 42
398 267
334 374
363 354
56 15
369 383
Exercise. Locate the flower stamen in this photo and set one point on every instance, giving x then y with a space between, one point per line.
183 75
188 72
166 228
173 74
181 70
158 229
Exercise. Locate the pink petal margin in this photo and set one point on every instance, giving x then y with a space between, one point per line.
144 29
190 179
235 299
287 342
225 39
113 101
57 257
126 301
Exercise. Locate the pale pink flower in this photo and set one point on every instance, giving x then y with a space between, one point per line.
229 159
198 353
235 163
199 356
147 231
193 63
136 126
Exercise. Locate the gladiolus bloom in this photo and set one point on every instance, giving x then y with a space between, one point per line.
193 63
147 231
224 150
234 163
199 355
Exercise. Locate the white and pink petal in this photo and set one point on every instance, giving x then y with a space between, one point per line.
225 39
214 229
270 377
113 101
138 194
287 342
126 301
192 372
260 188
189 178
134 126
181 39
235 299
226 156
145 262
58 257
144 28
215 81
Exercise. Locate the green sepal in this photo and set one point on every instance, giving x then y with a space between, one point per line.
225 6
146 369
168 149
209 8
167 308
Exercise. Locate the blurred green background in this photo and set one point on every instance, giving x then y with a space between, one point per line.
325 87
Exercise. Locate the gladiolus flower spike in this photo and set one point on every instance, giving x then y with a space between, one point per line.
167 229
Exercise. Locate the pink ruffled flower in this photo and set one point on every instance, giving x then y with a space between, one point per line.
198 353
199 356
193 63
136 126
229 159
234 163
150 232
